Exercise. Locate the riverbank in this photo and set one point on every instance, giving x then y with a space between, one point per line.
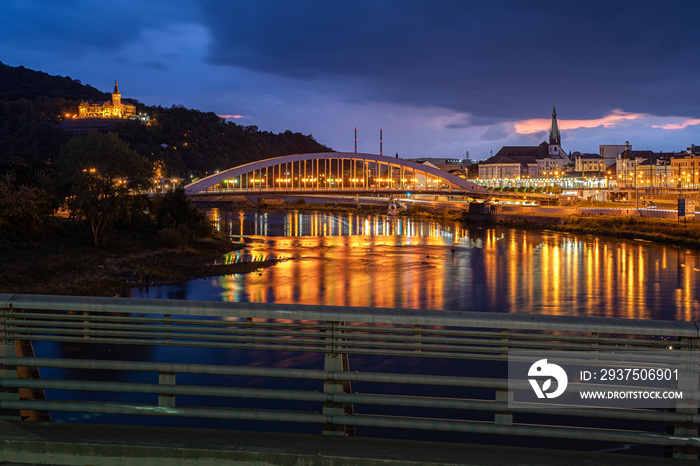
658 230
64 261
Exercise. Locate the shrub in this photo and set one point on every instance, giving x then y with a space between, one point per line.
174 209
170 238
203 228
22 208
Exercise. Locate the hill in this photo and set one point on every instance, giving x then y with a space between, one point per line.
20 82
190 142
187 141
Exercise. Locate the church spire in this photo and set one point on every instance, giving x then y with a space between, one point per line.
116 101
554 135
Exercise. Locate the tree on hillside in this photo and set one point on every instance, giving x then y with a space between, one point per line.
22 207
100 172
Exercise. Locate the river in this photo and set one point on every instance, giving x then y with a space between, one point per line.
344 259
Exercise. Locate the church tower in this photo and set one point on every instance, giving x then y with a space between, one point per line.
116 96
554 135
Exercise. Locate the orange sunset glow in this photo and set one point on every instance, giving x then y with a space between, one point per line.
685 124
536 125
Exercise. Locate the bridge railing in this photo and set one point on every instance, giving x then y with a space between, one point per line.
327 189
341 400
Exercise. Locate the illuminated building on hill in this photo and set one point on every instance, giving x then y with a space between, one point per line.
113 109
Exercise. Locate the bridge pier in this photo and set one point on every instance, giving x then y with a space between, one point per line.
336 362
7 372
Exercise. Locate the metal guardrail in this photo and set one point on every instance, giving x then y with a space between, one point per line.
339 334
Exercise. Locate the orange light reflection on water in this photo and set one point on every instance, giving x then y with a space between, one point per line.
369 261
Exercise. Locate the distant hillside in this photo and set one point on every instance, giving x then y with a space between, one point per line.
20 82
189 142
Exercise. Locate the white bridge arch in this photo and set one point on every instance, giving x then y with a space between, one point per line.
332 171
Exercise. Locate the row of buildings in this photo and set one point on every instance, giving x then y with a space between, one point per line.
615 166
647 169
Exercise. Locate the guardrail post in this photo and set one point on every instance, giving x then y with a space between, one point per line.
86 325
7 349
688 385
418 335
249 326
166 400
166 318
503 395
336 361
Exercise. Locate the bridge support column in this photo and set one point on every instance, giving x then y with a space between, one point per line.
336 362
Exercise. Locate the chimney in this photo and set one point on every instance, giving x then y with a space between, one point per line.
381 143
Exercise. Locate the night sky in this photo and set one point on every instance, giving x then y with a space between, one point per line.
440 77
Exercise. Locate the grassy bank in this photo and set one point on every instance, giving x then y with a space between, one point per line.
65 262
660 230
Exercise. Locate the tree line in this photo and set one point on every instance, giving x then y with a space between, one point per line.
100 181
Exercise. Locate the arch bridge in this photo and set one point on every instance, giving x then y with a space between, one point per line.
325 172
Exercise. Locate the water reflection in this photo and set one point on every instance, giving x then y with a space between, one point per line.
305 224
372 261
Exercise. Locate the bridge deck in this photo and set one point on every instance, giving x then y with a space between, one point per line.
84 444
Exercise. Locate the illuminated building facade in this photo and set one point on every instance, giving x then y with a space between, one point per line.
592 164
647 169
113 109
687 170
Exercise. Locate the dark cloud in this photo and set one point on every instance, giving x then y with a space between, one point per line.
495 133
482 121
499 59
460 122
156 65
73 27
